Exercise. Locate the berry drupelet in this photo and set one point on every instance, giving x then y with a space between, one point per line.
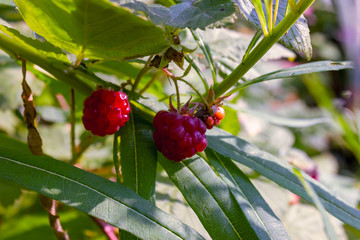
105 111
178 136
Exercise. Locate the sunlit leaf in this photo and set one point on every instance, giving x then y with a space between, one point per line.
257 212
93 28
280 172
92 194
209 197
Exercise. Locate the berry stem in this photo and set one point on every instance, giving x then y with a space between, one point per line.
198 71
140 75
193 88
153 78
207 53
177 93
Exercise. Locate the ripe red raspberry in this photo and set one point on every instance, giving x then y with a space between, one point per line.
105 112
178 136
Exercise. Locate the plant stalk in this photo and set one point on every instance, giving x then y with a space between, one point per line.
72 124
62 72
177 94
193 88
258 52
153 78
141 74
206 50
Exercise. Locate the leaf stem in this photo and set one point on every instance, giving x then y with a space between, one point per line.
275 12
206 50
270 16
253 42
62 72
198 71
153 78
140 75
259 10
177 93
193 88
329 229
265 44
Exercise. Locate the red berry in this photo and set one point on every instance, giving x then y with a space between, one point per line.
209 122
105 111
220 113
178 136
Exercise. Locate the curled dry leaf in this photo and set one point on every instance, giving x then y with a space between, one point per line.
34 139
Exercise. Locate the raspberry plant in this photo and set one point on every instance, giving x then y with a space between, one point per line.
89 43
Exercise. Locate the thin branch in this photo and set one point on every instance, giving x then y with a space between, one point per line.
72 124
141 74
50 206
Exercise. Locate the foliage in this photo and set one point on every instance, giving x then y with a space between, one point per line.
152 51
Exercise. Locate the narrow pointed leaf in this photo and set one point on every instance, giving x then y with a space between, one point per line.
209 197
280 172
279 120
301 69
92 194
138 160
258 213
45 48
93 28
329 228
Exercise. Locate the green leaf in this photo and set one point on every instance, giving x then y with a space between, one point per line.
277 120
122 70
257 212
44 48
209 197
319 66
92 194
138 160
315 198
138 157
13 144
187 14
280 172
35 226
297 37
45 56
9 192
8 3
94 29
231 123
207 53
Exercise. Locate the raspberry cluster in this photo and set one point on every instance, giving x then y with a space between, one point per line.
105 111
216 118
178 136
